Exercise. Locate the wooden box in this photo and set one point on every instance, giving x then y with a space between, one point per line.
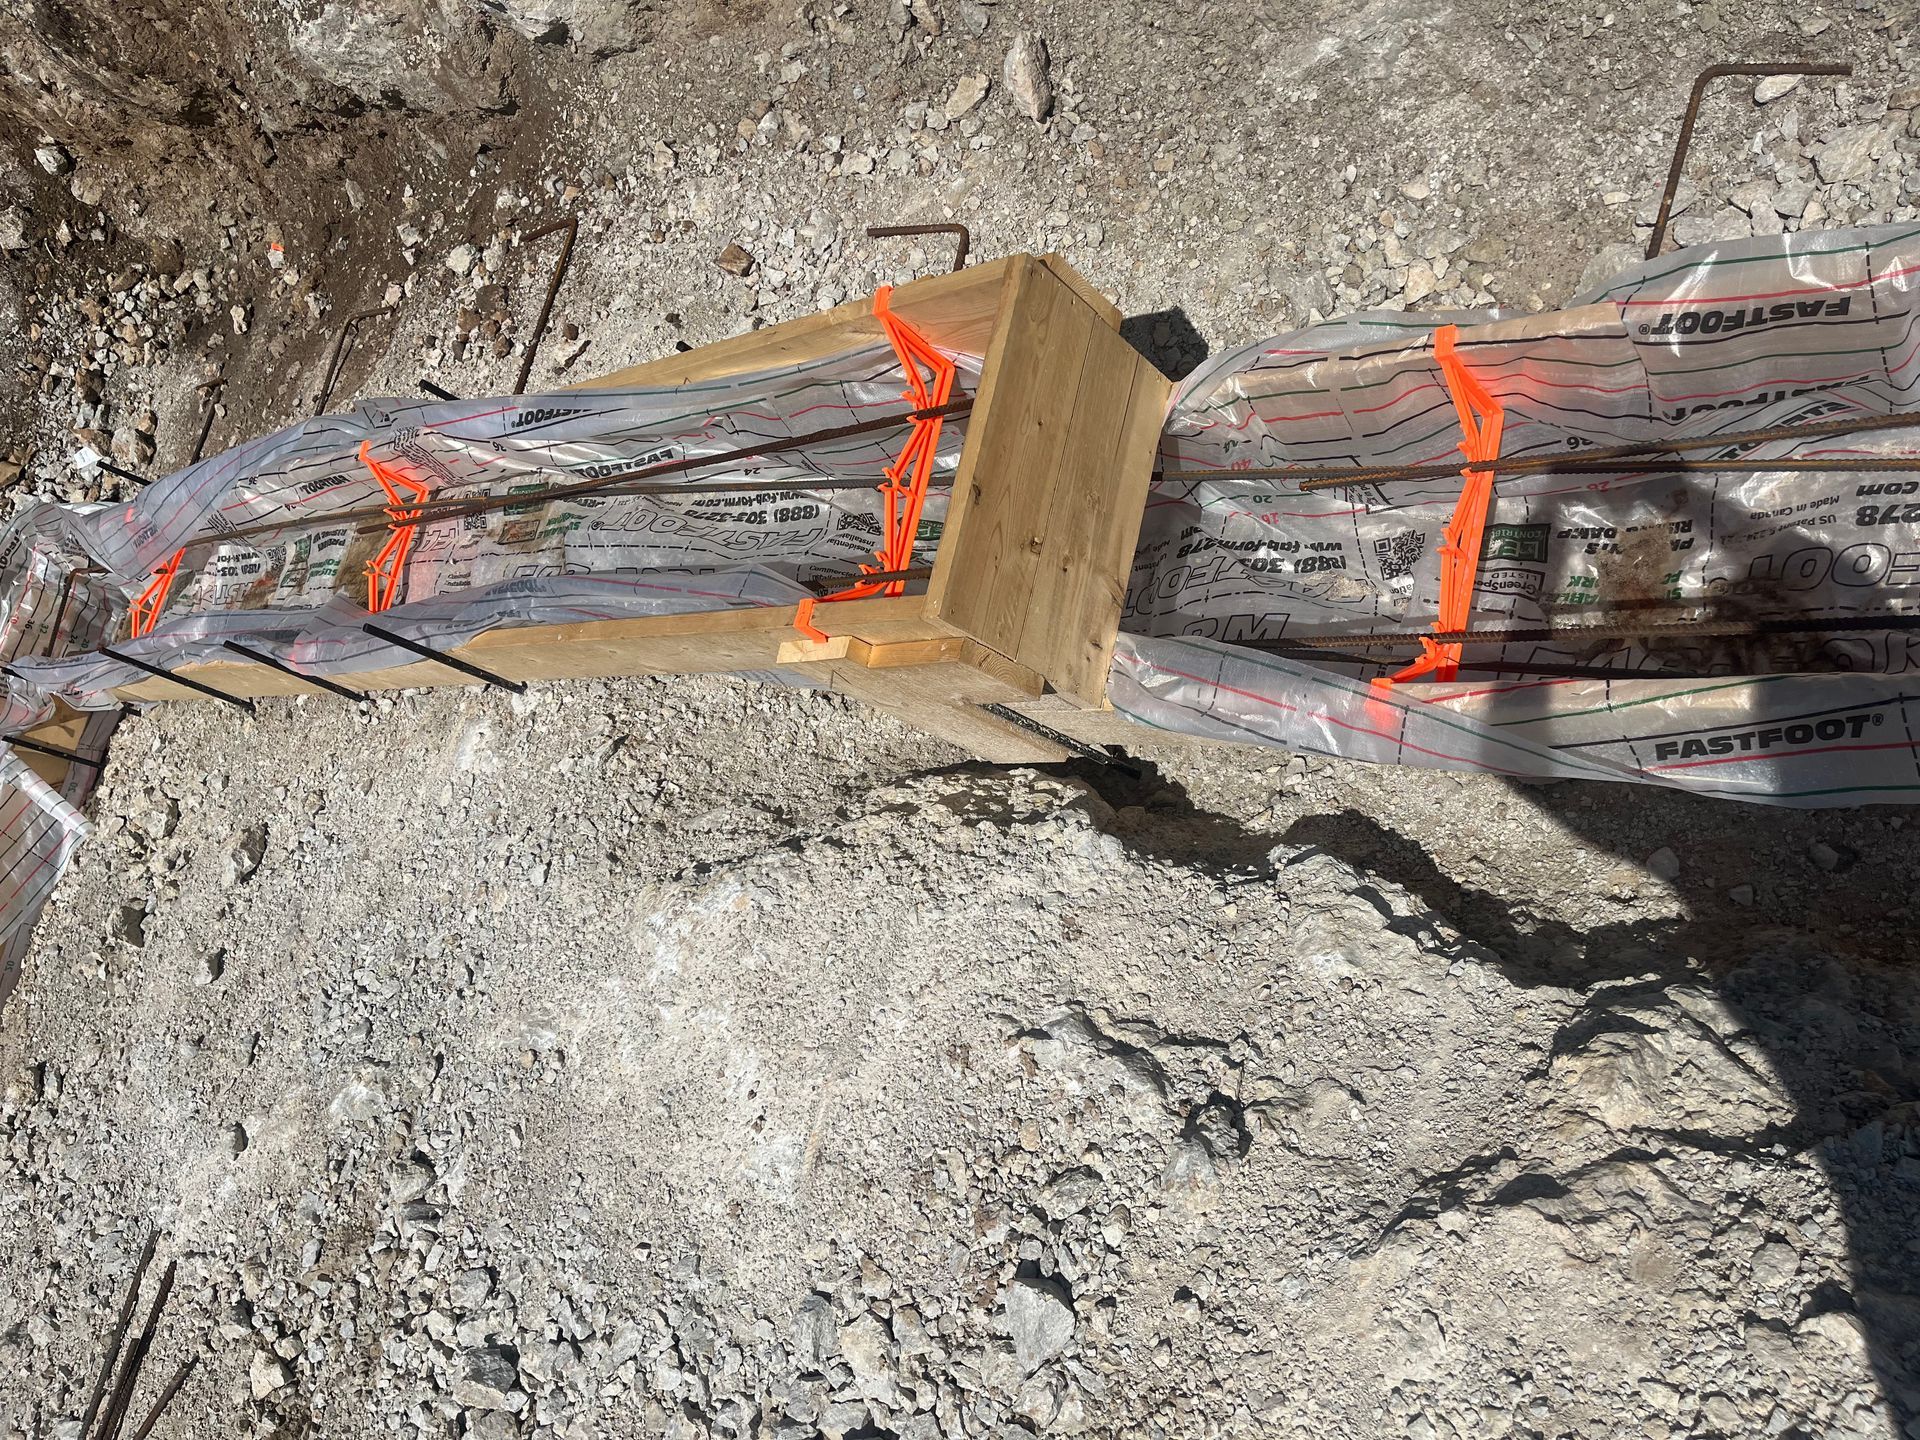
1025 594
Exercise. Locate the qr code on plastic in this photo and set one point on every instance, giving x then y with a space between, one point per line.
1398 554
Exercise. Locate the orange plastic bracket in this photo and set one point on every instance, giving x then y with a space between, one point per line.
387 569
803 622
905 489
1481 421
144 613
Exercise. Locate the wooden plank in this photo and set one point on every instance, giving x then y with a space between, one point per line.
1016 441
64 730
970 670
1095 508
1108 312
956 311
942 699
704 642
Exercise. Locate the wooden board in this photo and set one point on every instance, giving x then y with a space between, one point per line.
954 311
64 731
1034 557
1093 522
938 687
705 642
1051 488
1108 312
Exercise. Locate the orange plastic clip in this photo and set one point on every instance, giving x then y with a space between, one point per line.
144 613
387 569
1481 421
803 621
907 478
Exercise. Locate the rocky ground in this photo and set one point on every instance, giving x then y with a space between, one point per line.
697 1058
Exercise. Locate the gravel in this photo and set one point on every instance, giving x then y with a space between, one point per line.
694 1057
703 1059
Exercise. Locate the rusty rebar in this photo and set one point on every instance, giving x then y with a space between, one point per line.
166 1397
213 388
1882 463
119 1330
1292 650
334 361
1707 626
1327 478
963 237
1685 141
571 225
116 1415
450 509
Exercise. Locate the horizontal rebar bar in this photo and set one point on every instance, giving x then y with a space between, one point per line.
1501 667
1705 627
260 657
1327 478
429 511
440 657
156 671
20 742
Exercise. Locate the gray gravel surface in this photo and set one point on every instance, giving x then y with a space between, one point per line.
696 1058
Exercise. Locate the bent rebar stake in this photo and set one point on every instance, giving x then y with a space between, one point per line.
498 682
155 670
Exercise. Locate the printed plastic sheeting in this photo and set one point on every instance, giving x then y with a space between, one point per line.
296 582
1778 330
39 829
274 541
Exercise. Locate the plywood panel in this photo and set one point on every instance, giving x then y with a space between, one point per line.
1095 509
956 311
1016 442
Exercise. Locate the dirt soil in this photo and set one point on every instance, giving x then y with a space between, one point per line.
701 1058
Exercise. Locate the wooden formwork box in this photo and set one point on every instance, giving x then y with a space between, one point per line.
1024 599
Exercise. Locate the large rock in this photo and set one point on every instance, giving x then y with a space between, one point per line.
417 53
601 27
267 1373
490 1379
1039 1320
816 1333
1849 155
1024 73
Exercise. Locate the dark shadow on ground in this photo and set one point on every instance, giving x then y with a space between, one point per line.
1168 339
1819 966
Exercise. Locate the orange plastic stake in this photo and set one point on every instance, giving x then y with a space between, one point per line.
1481 421
803 621
144 613
387 569
907 479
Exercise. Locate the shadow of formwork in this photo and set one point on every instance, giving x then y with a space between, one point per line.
1167 339
1801 922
